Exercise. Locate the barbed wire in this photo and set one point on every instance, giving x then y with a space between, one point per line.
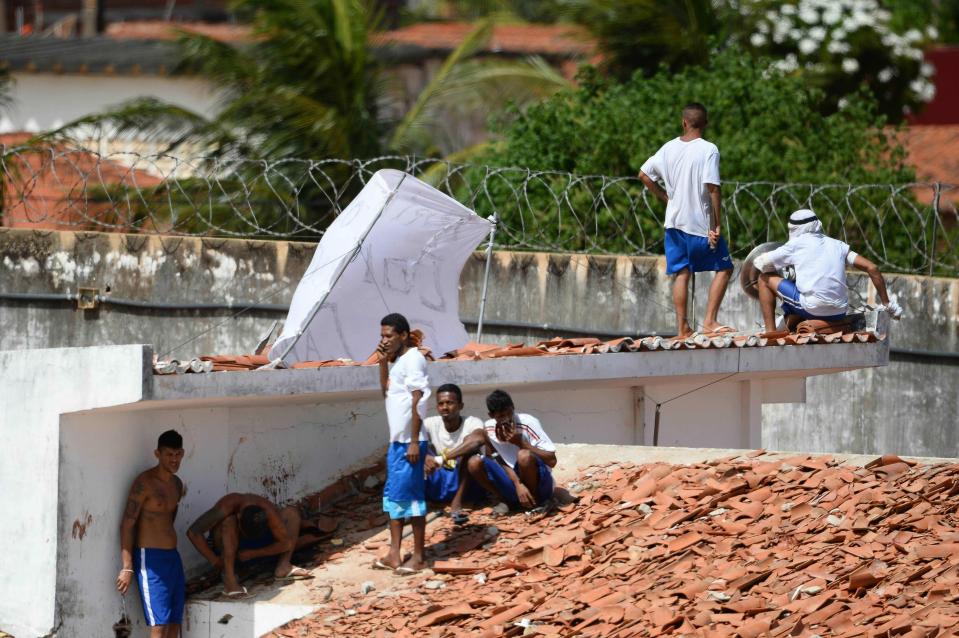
902 227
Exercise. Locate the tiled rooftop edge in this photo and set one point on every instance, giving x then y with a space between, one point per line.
622 368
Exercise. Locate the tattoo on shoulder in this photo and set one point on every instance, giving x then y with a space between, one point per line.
139 486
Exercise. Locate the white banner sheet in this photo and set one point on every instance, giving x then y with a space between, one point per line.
398 247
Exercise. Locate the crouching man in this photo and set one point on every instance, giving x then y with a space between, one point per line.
241 527
518 470
820 290
453 438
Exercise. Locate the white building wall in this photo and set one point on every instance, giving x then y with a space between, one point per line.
45 101
36 386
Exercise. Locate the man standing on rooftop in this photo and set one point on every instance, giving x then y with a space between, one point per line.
689 168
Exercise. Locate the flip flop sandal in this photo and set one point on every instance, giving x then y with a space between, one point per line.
402 570
379 564
297 573
240 594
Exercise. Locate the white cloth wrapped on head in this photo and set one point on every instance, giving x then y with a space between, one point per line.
804 221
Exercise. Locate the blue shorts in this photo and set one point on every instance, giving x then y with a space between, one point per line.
693 252
793 306
162 584
504 485
442 484
404 494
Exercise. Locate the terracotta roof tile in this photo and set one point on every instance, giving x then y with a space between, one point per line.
522 39
553 347
606 566
528 39
47 188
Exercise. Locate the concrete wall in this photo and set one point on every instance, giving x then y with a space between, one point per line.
908 407
35 389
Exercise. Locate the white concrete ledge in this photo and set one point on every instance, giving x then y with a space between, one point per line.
623 369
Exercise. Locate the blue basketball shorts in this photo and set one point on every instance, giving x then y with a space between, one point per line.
159 574
693 252
789 295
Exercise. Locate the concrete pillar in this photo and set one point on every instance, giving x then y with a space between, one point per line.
752 414
90 18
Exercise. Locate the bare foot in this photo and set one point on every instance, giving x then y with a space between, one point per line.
390 561
684 331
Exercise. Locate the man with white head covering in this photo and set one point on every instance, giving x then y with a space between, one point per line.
819 290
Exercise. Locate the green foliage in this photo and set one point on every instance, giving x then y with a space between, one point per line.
767 125
769 128
547 11
942 15
836 45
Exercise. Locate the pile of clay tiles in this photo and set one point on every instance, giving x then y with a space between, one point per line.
558 346
742 546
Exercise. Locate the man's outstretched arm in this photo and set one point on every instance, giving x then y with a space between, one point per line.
871 269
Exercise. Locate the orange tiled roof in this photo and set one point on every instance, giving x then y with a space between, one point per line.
49 189
163 30
743 546
558 346
524 39
934 150
529 39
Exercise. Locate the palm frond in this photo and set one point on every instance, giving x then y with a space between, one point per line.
412 121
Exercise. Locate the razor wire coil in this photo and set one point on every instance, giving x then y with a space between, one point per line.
901 227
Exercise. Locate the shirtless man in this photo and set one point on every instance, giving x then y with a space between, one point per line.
153 558
242 527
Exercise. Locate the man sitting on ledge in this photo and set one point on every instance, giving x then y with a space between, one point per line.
819 291
242 527
518 470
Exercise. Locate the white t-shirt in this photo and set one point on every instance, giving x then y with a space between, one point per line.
820 264
442 439
685 168
531 430
407 373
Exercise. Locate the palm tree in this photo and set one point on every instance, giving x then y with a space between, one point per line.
307 86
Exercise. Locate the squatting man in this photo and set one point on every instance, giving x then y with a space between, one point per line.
819 291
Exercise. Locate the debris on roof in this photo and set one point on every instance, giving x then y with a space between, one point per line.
741 546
